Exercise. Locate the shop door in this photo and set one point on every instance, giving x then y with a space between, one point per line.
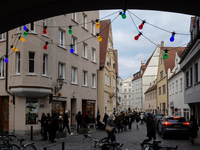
5 116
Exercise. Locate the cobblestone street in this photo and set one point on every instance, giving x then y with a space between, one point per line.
130 138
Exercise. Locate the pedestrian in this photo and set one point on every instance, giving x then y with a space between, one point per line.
193 128
86 120
98 121
133 117
141 118
43 119
54 127
137 118
79 120
48 125
111 135
129 121
66 122
105 118
151 129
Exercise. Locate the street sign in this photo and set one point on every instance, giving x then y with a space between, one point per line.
176 109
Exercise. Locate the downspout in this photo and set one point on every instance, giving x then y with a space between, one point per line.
6 81
116 91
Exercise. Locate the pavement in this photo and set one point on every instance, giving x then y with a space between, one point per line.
130 138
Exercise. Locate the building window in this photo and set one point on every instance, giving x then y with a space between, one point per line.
61 37
74 41
93 55
161 74
124 96
84 50
129 84
32 27
159 90
176 86
129 90
109 81
181 84
196 72
17 62
191 76
44 64
187 79
32 114
93 80
61 70
2 37
74 16
109 61
172 88
74 75
84 20
93 28
44 21
31 62
85 78
124 90
129 96
163 89
186 114
1 68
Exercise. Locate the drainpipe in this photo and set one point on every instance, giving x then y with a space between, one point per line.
116 91
6 81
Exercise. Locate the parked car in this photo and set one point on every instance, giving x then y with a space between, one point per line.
157 116
173 125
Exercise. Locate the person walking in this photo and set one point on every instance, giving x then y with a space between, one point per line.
111 135
78 120
98 121
141 118
42 121
137 118
151 129
105 118
66 122
54 127
48 125
129 120
86 120
193 128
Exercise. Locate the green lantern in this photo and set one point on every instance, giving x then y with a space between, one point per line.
70 30
165 54
25 33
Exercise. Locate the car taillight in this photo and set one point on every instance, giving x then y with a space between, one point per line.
167 123
187 123
176 117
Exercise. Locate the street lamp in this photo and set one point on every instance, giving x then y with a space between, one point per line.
60 82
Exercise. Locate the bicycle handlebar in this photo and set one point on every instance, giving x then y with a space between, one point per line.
87 135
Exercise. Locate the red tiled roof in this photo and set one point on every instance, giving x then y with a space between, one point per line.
116 62
104 33
154 87
170 61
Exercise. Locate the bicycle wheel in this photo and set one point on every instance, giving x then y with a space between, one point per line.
30 147
148 148
13 147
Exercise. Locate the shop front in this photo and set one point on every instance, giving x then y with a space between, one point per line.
88 106
4 113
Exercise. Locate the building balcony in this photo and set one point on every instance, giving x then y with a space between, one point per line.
111 95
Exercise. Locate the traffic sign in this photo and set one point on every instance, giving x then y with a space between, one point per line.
176 109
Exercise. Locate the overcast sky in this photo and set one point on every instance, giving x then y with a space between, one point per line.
130 51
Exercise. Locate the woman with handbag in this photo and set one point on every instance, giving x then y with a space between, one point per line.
110 128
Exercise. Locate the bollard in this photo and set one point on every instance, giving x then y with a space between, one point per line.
63 145
31 133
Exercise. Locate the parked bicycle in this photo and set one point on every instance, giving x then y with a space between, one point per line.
103 144
26 146
155 146
6 143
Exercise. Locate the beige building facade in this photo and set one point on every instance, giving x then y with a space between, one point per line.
33 72
107 71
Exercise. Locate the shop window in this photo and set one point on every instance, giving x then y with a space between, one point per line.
91 111
31 112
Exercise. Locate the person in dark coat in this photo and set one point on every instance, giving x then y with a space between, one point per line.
151 129
86 120
137 118
54 127
133 117
111 135
42 121
66 122
129 121
193 127
48 125
79 120
117 122
105 119
98 121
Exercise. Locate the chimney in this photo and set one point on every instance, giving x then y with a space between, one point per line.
142 61
162 43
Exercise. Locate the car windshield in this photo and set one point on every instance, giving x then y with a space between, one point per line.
156 116
176 119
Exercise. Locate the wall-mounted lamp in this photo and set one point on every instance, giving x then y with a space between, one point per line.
60 81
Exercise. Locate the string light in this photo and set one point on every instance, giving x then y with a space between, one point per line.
97 23
70 29
45 30
172 37
14 48
142 24
71 49
6 60
22 39
45 46
99 38
25 28
165 54
26 32
137 36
